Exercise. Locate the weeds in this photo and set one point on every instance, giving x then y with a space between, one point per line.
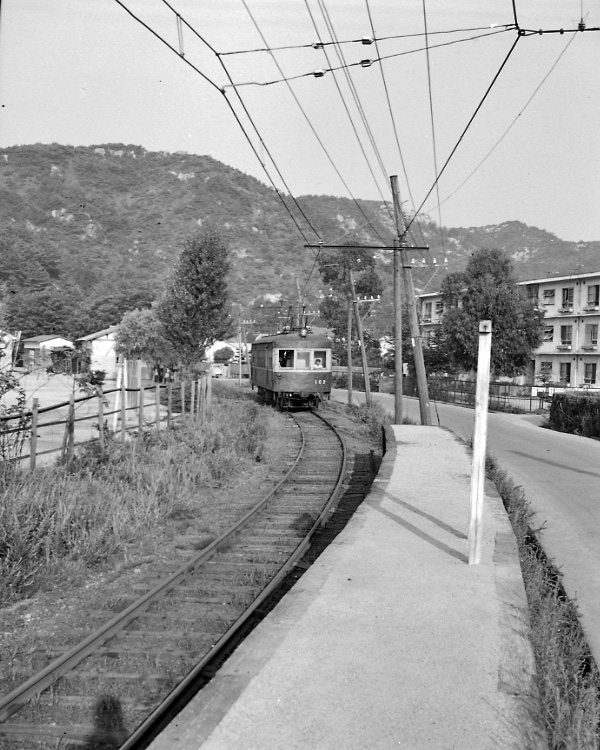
568 678
56 523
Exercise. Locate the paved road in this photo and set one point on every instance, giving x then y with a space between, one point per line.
560 475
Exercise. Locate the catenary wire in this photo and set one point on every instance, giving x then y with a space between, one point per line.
509 128
348 113
319 45
392 118
352 87
332 69
468 125
247 113
433 138
311 126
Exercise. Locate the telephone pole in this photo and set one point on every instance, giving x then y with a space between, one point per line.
400 258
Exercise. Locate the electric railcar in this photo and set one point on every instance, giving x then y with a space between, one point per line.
292 369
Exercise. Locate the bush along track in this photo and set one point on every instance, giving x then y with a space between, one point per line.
567 676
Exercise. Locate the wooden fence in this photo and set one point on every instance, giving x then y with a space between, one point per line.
134 411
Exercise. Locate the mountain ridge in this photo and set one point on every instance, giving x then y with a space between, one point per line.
114 216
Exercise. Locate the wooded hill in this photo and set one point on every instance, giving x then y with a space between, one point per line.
89 232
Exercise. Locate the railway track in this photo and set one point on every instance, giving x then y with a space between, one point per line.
116 685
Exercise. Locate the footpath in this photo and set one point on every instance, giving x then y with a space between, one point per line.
391 639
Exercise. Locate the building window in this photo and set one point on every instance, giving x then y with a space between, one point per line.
593 295
566 335
548 296
565 372
591 334
439 307
427 338
589 377
427 311
533 291
567 296
548 333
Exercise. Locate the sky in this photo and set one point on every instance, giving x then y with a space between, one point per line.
84 72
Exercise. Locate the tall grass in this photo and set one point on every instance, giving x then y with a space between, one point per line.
66 519
568 679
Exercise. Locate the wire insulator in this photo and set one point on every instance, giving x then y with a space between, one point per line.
317 45
367 40
581 25
318 73
366 63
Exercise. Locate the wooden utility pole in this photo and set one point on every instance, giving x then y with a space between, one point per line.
359 332
349 352
409 292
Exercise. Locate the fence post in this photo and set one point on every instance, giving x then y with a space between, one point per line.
169 403
123 408
100 419
480 440
34 430
208 407
192 399
157 406
141 408
183 401
69 437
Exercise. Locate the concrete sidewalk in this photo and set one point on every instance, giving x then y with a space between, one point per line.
390 640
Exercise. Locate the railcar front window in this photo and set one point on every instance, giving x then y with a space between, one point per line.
286 358
320 360
302 360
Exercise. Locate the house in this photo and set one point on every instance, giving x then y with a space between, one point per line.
37 351
568 353
101 348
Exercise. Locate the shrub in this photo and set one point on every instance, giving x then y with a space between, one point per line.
579 414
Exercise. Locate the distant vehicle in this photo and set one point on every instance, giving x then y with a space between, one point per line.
217 370
292 369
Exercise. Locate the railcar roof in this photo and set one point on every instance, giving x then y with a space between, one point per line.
295 341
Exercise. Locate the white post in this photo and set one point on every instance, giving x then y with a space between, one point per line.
480 440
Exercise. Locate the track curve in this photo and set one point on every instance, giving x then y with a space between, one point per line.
114 685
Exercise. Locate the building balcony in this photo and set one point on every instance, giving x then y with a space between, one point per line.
591 308
565 310
564 347
590 347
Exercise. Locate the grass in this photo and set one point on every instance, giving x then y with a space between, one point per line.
568 680
58 523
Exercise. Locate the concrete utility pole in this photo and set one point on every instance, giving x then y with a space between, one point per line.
480 440
349 352
409 292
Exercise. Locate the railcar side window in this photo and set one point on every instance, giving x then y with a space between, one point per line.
286 358
302 360
261 359
320 360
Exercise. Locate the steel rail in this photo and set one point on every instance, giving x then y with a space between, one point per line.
17 698
146 730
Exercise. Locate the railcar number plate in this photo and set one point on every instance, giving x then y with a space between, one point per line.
319 382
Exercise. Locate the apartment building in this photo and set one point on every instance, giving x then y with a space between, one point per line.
569 351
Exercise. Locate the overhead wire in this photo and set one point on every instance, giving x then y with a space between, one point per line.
433 138
352 87
391 113
509 128
311 126
363 40
254 126
368 63
468 125
350 118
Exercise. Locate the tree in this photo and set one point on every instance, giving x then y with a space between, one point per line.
488 290
334 269
50 311
224 354
193 310
141 334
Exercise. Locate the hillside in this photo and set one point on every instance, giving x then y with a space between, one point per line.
88 232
